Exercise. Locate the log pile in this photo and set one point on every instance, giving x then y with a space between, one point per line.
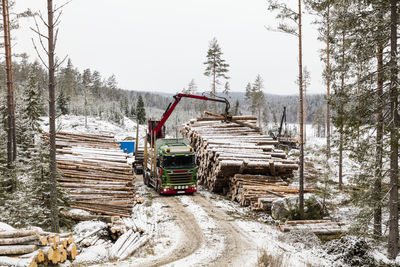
318 227
224 149
31 247
96 174
259 191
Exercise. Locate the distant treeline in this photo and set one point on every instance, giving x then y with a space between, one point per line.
88 93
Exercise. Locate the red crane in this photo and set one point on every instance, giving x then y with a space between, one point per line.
156 128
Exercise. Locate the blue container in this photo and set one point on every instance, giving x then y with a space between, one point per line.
128 145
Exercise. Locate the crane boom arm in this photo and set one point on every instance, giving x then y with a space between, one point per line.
178 98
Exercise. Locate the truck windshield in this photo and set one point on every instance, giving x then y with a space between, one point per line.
179 162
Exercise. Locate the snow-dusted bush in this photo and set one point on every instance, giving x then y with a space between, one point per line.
351 250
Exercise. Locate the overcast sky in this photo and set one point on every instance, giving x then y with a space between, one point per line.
160 45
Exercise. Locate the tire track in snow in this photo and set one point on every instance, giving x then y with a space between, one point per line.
213 234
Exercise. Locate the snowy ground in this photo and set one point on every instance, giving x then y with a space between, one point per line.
208 230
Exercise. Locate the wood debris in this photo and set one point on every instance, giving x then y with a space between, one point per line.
96 174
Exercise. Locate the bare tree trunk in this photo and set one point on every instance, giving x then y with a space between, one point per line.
85 92
301 178
52 119
214 88
393 240
11 141
341 114
328 87
379 148
305 113
259 113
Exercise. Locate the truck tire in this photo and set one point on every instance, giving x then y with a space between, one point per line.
158 188
146 179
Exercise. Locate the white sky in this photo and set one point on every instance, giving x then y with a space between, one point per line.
160 45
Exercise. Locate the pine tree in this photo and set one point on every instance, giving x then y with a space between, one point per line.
216 67
140 110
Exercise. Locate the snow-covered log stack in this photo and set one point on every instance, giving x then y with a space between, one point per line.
31 247
318 227
224 149
259 191
96 174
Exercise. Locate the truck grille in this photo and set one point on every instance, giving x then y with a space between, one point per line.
180 178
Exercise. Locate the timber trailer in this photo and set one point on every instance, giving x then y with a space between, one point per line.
169 165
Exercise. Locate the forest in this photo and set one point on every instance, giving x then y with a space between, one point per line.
347 136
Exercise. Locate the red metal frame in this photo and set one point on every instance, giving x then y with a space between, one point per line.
178 98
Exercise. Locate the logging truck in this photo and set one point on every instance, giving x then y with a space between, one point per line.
171 168
169 164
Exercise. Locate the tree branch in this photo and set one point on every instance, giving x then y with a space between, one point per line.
37 52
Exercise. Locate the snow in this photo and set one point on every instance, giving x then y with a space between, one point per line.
91 255
6 227
85 227
76 125
79 212
214 243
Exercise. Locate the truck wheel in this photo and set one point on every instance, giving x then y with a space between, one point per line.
146 179
158 188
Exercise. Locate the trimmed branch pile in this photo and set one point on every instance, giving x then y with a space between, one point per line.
96 174
225 149
259 191
31 247
318 227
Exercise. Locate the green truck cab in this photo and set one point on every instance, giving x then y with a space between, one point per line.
171 167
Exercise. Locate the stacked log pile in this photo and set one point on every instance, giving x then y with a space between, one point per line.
259 191
30 248
96 174
235 157
318 227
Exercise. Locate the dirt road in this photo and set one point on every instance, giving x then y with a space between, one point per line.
209 238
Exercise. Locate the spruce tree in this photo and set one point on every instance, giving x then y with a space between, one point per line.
140 110
62 104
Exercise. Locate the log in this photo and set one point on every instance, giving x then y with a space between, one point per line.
72 252
17 249
120 242
81 217
125 247
17 233
18 240
307 221
140 242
